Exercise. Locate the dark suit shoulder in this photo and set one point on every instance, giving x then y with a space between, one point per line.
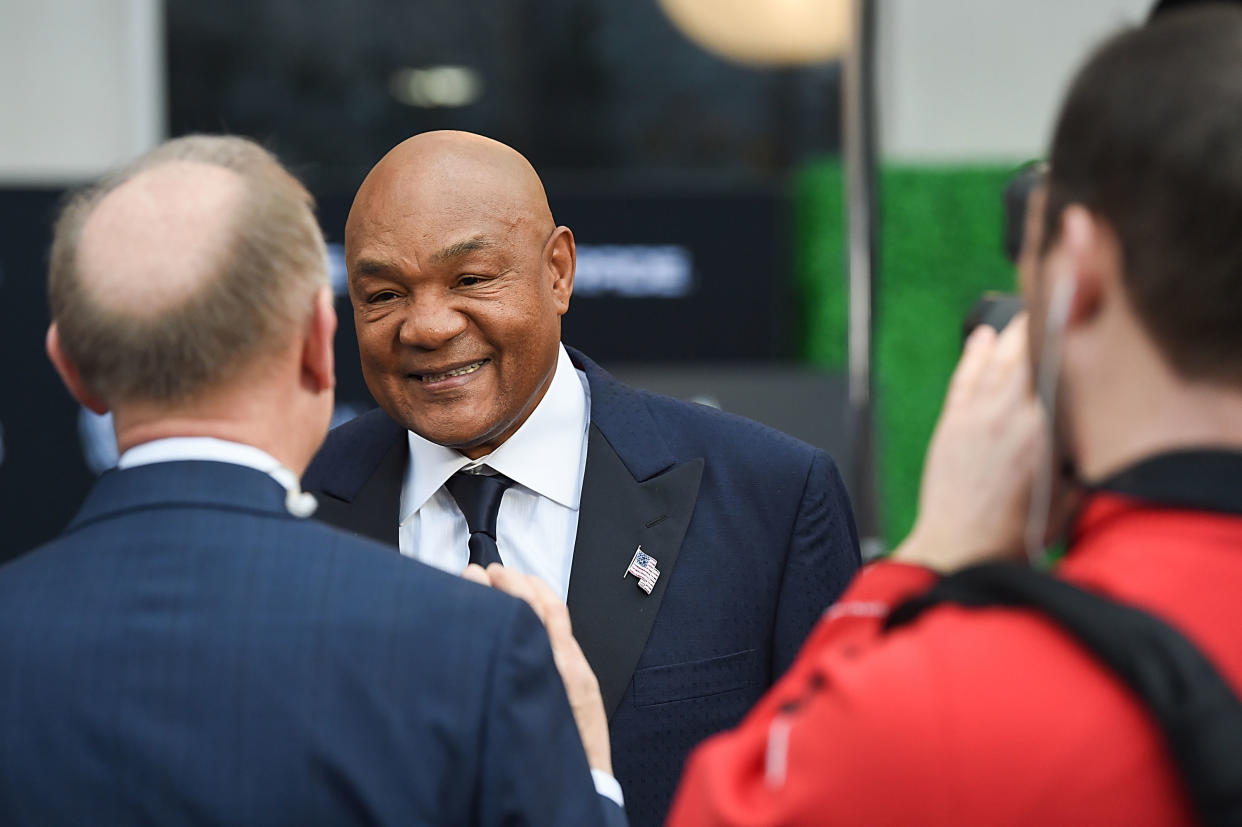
632 419
281 647
719 430
440 598
320 574
736 448
352 450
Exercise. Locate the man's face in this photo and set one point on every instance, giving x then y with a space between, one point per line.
457 305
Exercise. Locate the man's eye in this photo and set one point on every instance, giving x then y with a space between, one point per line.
469 281
382 296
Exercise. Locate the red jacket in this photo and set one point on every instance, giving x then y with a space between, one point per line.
991 716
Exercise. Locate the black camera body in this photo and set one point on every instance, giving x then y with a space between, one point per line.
994 309
998 309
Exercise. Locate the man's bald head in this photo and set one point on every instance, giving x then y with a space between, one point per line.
459 279
455 174
170 276
153 242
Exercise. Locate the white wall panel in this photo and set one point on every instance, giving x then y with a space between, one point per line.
81 87
980 80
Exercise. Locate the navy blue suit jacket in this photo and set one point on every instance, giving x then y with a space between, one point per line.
189 653
751 530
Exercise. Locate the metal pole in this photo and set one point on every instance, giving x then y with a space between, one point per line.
858 116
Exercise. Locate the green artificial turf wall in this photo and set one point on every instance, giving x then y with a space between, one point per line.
940 247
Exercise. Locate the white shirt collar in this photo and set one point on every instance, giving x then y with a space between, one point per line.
210 449
544 454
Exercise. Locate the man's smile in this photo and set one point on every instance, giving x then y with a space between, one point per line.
444 375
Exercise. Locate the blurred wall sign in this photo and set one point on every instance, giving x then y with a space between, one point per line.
662 271
785 33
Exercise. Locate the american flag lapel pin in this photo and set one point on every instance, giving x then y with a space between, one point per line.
643 566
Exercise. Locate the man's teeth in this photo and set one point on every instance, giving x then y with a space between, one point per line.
440 377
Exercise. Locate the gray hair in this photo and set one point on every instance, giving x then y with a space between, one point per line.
261 288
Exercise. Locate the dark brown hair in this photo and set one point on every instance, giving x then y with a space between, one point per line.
1150 140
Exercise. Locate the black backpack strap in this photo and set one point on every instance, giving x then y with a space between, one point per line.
1199 714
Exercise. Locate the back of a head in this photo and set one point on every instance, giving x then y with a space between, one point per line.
1150 139
171 276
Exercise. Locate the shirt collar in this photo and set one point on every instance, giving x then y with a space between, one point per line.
210 449
1203 479
545 454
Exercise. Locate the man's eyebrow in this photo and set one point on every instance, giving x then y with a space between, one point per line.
371 267
461 248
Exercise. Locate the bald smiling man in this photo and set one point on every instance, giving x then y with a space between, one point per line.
695 549
193 649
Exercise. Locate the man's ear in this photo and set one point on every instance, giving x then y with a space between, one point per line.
560 257
69 373
318 358
1092 255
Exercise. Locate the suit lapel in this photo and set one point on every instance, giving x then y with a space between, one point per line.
611 615
373 509
634 492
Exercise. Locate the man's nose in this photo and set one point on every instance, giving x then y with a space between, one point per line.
431 322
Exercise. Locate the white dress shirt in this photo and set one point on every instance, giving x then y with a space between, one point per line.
538 519
537 524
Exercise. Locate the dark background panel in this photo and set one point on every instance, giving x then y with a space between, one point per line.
582 87
739 302
42 473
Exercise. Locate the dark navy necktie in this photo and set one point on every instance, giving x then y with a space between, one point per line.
478 496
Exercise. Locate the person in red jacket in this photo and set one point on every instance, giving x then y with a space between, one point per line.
1132 271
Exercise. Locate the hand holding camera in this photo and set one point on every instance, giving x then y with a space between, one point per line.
983 456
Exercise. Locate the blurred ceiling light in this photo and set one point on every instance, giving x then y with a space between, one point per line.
436 86
771 33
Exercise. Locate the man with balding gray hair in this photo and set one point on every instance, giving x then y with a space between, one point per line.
192 649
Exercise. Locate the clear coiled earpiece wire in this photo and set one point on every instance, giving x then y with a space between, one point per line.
1048 370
